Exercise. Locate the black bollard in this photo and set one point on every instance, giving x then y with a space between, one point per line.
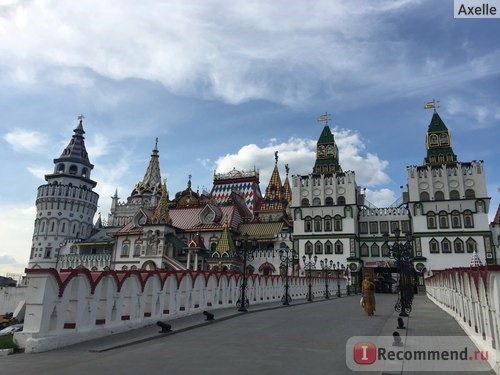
165 327
401 324
397 339
209 315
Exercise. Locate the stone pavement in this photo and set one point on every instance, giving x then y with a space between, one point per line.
304 338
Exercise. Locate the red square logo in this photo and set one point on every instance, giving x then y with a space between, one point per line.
365 353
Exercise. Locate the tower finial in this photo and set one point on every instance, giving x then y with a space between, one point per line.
156 143
433 104
287 169
324 118
80 118
276 157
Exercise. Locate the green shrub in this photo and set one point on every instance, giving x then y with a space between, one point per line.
6 342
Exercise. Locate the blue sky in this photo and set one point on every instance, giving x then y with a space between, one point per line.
224 84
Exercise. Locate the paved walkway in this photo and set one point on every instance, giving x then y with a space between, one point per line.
304 338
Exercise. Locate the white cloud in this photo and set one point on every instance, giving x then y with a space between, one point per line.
300 155
26 140
234 50
16 232
482 115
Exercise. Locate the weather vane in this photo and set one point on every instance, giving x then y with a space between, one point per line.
324 118
433 104
81 117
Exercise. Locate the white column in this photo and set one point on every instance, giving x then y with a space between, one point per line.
196 261
188 259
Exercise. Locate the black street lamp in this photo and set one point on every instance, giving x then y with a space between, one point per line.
339 271
309 264
286 256
402 253
326 267
245 248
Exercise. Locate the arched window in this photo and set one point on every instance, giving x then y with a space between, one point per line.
341 200
363 249
431 220
328 224
308 224
73 169
458 245
375 250
433 246
125 248
454 194
84 172
339 247
297 214
455 219
468 219
318 248
316 201
137 249
445 246
60 168
305 202
439 196
443 220
337 223
471 245
424 196
329 201
308 248
317 224
470 193
328 247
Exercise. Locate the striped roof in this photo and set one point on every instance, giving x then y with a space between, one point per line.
189 218
261 230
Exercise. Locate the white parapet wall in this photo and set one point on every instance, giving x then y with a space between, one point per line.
11 297
72 306
472 296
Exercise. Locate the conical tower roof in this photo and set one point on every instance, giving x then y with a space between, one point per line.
287 190
75 151
274 191
151 183
438 143
326 154
475 261
162 214
226 244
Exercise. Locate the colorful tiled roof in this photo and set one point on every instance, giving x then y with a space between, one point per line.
245 183
261 230
189 218
226 245
151 183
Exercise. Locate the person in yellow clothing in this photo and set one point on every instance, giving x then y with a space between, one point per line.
368 292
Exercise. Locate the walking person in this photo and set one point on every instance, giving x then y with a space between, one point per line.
368 292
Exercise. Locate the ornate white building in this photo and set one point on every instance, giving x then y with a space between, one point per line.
445 210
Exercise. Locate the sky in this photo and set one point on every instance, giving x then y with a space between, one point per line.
224 84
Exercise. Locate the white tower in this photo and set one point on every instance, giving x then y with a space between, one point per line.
66 205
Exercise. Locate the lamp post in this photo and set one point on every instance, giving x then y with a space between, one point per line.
309 264
286 256
339 270
402 253
245 248
325 266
